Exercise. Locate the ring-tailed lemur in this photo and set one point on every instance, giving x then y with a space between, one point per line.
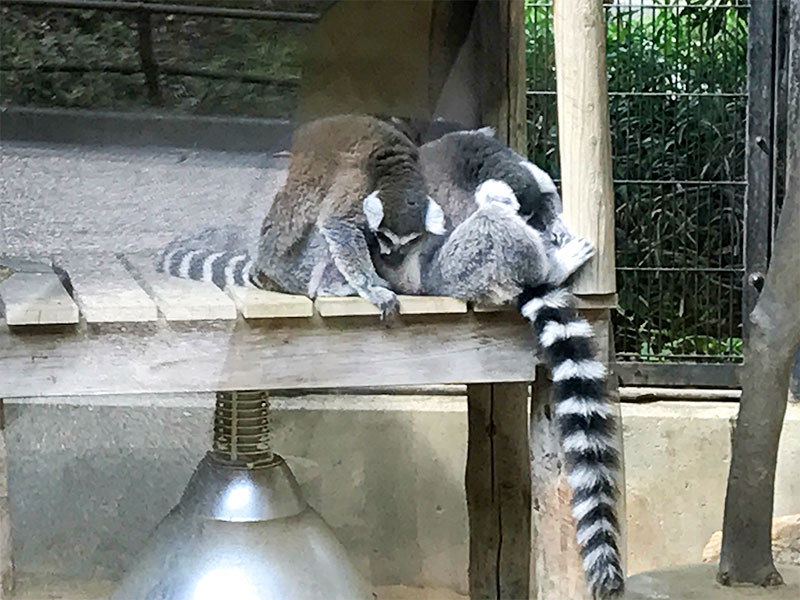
507 242
354 188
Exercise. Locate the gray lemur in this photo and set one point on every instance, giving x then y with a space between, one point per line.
507 242
354 190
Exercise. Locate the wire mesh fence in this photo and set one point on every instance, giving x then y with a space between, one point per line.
677 75
678 97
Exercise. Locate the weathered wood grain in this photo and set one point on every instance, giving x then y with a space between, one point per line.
517 76
259 304
267 354
556 571
584 138
6 562
351 306
431 305
498 491
37 299
587 302
344 306
182 299
105 292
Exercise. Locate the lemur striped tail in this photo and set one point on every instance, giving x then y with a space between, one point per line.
586 423
220 268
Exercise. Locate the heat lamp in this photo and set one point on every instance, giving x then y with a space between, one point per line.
242 529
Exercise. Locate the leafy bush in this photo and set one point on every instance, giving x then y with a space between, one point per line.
37 42
677 81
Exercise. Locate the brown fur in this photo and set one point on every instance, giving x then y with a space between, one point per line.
336 163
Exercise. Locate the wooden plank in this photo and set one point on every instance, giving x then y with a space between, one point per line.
344 306
353 306
267 354
259 304
654 394
37 299
106 292
589 302
584 137
498 491
182 299
677 374
429 305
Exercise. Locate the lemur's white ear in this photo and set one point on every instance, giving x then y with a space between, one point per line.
543 180
434 218
494 190
487 131
373 210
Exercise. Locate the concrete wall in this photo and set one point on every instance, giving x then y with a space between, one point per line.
676 466
87 483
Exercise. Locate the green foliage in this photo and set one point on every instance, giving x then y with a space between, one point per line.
698 345
32 39
38 41
677 80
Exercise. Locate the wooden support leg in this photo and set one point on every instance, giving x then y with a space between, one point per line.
6 565
498 491
556 567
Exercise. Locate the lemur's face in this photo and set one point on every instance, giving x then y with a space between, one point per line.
394 246
396 253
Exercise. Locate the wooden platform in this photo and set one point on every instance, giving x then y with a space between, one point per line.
115 326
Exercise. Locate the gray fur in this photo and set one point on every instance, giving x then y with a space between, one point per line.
457 163
496 252
215 255
318 218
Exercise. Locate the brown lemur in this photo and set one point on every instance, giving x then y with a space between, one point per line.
354 188
507 242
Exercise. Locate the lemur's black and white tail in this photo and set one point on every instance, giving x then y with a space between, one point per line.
587 425
220 268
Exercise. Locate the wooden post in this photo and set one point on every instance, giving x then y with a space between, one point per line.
517 78
498 483
501 62
6 563
498 491
556 570
584 137
587 191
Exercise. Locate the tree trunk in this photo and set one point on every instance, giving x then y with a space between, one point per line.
746 551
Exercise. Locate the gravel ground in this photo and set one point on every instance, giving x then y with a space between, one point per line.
58 198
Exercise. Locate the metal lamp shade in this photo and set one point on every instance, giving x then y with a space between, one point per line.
243 532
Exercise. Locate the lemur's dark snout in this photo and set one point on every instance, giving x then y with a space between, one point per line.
393 259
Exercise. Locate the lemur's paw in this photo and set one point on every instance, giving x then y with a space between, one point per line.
386 301
573 255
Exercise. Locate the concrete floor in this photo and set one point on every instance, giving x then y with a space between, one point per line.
697 582
60 198
49 589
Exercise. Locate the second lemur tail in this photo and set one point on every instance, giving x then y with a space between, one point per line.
220 268
587 425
